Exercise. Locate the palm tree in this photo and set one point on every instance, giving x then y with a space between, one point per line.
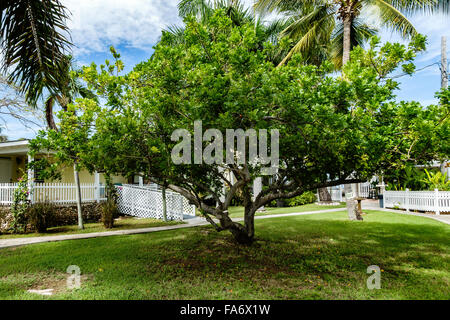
33 39
68 88
313 19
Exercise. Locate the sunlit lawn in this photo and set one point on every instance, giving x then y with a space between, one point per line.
238 212
321 256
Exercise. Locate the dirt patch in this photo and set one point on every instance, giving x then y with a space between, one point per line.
43 281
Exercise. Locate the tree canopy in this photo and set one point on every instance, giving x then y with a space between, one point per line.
332 129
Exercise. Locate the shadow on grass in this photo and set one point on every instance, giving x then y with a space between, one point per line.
306 257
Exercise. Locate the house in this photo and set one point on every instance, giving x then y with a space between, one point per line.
14 158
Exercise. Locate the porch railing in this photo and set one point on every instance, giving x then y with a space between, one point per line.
61 193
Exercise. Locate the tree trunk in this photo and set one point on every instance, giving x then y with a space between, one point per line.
164 203
352 204
49 114
324 195
243 234
347 21
78 192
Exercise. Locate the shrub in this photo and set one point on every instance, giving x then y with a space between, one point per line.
109 213
67 214
19 206
304 198
6 219
63 215
41 216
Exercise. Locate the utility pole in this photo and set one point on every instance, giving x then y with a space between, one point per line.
444 74
444 85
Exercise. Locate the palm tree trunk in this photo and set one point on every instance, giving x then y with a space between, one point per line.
347 21
49 114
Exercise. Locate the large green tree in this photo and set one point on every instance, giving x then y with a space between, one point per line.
331 130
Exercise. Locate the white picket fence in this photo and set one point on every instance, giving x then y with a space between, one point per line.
61 193
140 201
337 193
147 202
431 201
364 189
7 193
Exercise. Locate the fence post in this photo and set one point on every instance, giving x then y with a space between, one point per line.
407 199
436 201
340 193
97 187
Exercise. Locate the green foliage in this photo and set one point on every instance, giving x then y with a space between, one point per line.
330 127
41 216
406 177
437 180
304 198
109 213
20 206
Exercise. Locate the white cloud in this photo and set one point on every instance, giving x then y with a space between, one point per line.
97 24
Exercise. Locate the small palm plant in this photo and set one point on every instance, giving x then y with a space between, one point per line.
437 180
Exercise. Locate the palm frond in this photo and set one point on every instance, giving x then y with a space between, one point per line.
34 37
311 33
394 19
196 8
408 7
267 6
311 44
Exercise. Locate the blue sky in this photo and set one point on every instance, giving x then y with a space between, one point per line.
134 26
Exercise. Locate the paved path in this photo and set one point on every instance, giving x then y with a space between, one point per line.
190 222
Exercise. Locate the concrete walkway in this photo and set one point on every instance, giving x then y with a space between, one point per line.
192 222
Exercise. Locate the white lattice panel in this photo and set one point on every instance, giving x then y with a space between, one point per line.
147 202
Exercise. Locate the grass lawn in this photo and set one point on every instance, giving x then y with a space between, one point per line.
322 256
238 212
119 224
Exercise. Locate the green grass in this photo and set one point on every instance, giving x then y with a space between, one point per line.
238 212
321 256
119 224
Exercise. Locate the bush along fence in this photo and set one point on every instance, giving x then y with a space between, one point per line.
428 201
